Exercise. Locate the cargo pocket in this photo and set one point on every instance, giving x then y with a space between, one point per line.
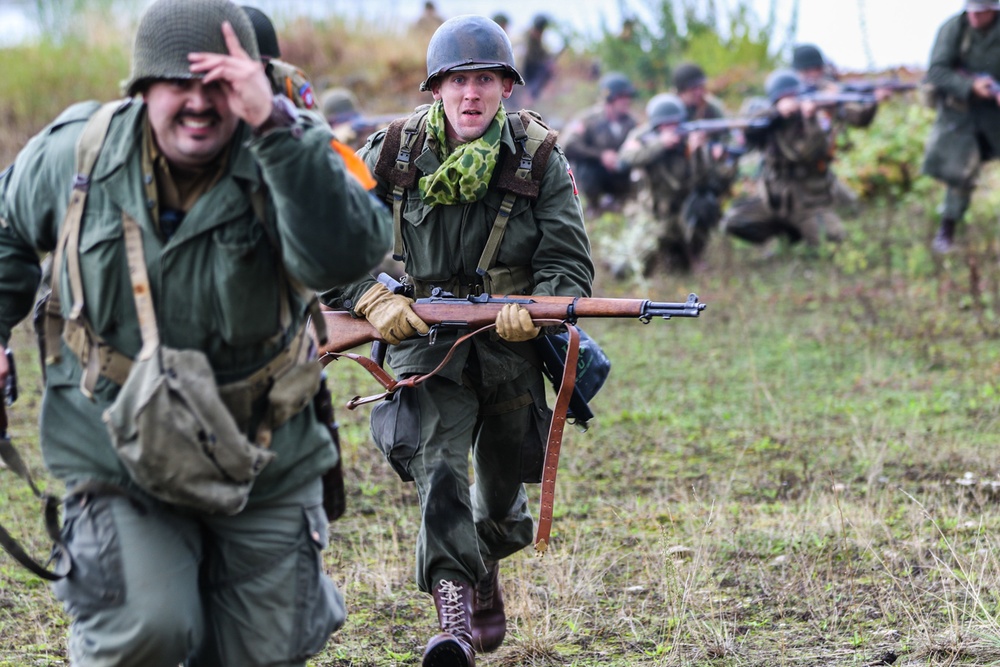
243 262
320 605
395 428
96 581
535 438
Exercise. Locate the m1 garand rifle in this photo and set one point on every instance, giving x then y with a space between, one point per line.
827 99
443 311
721 126
869 86
477 314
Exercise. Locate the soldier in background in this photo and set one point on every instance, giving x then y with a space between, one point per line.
340 108
819 75
592 140
964 69
816 73
502 20
680 180
286 79
537 63
690 83
429 20
795 188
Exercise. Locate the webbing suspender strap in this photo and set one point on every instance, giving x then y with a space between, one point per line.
412 130
87 151
492 247
140 287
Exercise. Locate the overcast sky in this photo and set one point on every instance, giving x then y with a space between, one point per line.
899 32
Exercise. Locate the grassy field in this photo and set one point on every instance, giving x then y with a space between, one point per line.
806 475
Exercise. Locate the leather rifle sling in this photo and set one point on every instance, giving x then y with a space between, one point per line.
555 439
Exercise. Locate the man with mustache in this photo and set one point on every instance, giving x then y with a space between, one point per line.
242 208
483 201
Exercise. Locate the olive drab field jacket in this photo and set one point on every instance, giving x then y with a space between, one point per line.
958 55
216 284
545 241
667 176
797 154
588 136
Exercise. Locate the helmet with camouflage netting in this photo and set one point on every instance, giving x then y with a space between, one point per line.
466 43
171 29
614 85
782 83
665 109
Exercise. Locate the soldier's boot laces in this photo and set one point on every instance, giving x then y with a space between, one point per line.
452 647
944 240
489 622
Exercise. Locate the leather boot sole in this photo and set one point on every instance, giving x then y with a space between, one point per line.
448 653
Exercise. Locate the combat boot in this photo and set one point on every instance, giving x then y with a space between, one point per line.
944 240
452 647
489 622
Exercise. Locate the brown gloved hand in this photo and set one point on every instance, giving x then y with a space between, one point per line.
514 323
390 313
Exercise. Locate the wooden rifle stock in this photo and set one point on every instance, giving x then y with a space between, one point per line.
445 312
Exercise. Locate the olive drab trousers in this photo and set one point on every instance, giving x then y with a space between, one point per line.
156 587
463 524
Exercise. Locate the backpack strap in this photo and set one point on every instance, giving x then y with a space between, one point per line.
402 138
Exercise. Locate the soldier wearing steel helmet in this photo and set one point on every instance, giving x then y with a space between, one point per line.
592 139
286 79
963 73
818 75
680 180
468 224
233 197
794 196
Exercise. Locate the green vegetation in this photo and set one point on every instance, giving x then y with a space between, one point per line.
807 474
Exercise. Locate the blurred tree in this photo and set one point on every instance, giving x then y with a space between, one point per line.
728 44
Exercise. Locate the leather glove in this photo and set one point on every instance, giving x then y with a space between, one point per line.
390 313
514 323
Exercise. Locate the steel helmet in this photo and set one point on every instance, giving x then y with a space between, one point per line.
267 38
339 103
665 109
807 56
782 83
469 42
614 85
171 29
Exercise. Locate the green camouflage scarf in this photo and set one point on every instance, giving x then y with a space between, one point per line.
464 175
